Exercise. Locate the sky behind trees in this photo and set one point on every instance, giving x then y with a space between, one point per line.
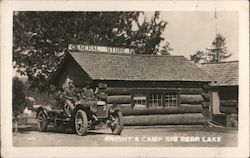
190 31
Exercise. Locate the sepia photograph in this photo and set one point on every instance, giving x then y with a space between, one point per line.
126 78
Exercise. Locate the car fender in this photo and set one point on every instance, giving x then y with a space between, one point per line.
113 108
42 108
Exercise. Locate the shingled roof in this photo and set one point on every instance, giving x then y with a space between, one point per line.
110 66
224 73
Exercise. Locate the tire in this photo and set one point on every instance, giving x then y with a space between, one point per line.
80 122
42 121
117 124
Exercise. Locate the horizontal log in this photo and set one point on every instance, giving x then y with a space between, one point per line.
174 119
228 110
186 108
124 107
229 103
167 110
102 86
119 99
154 89
191 99
118 91
191 91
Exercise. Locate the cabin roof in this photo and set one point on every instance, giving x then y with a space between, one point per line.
224 73
131 67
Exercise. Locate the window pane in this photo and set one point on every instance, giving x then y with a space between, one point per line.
156 100
170 99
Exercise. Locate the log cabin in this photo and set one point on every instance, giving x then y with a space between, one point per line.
224 91
140 84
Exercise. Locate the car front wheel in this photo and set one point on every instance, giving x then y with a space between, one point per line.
117 123
81 122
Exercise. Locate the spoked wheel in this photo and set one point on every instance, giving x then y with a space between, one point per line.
42 121
117 123
81 123
67 109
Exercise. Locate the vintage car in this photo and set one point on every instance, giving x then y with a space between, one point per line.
85 116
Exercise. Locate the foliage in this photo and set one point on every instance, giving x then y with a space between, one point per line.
40 38
219 51
18 95
198 57
216 54
166 49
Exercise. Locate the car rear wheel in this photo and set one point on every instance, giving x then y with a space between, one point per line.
81 122
117 123
42 121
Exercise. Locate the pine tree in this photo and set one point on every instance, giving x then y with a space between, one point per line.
216 54
219 51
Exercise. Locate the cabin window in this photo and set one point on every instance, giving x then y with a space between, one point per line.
155 100
140 100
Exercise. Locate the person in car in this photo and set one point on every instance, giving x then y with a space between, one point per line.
70 95
88 93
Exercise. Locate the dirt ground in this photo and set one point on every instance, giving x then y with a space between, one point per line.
143 136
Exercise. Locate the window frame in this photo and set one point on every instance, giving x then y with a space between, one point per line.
164 92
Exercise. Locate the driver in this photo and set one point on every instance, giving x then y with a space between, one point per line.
70 95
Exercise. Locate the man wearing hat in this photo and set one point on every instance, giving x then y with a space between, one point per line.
88 93
70 95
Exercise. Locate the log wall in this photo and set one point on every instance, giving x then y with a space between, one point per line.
189 108
174 119
228 99
191 91
229 106
184 108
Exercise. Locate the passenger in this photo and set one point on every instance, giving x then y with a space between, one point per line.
70 95
88 93
61 98
54 98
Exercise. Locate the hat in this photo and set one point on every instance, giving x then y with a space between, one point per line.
70 81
